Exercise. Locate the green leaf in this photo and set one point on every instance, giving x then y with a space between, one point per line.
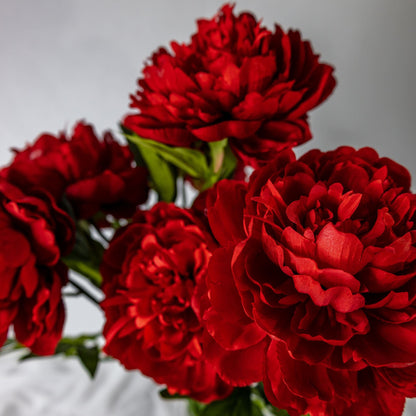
87 270
256 410
218 163
278 412
217 154
85 258
190 161
28 356
195 408
161 173
237 404
164 393
260 400
11 345
89 357
67 207
136 154
221 407
223 163
84 347
10 342
229 163
245 401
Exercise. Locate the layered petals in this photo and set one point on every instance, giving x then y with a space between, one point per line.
233 343
153 275
235 79
325 268
35 233
93 175
318 390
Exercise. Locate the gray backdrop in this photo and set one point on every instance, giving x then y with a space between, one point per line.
79 59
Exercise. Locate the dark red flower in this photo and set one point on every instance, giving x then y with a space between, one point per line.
34 235
237 80
318 261
151 272
319 390
94 175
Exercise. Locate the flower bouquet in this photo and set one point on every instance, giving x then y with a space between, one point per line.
284 287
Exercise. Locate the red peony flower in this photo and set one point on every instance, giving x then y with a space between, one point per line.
94 175
318 263
320 390
237 80
151 272
34 235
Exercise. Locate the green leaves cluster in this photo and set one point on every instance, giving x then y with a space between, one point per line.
85 258
83 347
244 401
165 163
237 404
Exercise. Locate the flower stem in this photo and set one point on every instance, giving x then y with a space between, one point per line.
84 292
99 232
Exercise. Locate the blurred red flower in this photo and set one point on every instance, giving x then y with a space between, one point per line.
93 174
35 233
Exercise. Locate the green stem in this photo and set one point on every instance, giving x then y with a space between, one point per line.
86 270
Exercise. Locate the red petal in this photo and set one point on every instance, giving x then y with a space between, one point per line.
398 344
240 367
375 398
257 72
379 281
151 129
348 206
225 216
340 298
226 320
230 128
339 250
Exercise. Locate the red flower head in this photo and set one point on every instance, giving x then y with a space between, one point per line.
151 273
94 175
237 80
34 235
319 263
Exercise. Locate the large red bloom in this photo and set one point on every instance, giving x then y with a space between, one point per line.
237 80
319 263
34 235
94 175
151 275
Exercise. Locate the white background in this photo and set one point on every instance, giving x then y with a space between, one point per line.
61 61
